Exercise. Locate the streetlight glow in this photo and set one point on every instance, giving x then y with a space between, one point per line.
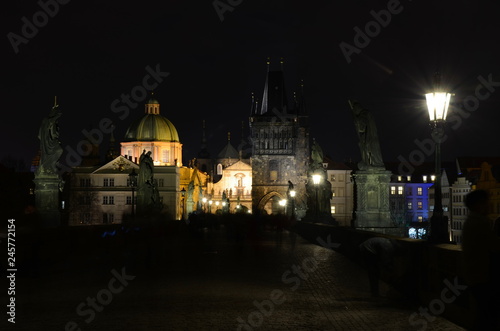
292 193
437 104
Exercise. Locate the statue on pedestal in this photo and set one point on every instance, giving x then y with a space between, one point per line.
148 196
371 156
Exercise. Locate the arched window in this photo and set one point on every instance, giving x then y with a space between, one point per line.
219 169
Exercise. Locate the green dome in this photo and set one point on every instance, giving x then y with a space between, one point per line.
152 127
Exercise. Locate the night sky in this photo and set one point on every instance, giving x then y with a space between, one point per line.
92 52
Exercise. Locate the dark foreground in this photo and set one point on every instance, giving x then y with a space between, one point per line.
237 276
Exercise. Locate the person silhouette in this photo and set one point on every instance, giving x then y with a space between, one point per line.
479 245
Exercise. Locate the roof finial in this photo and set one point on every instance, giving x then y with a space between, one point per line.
282 61
229 137
268 62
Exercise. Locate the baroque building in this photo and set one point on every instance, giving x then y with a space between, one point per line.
102 194
280 147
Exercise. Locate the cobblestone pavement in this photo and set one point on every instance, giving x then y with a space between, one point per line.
213 283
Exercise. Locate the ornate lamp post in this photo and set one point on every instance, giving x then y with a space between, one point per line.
204 200
437 104
292 199
316 180
183 194
133 184
282 203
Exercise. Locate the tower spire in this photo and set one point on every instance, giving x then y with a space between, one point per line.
268 62
282 62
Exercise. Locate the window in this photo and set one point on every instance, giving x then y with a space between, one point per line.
332 209
409 191
420 218
410 205
129 200
165 156
424 179
108 218
219 169
333 193
408 178
399 178
108 200
400 190
341 178
420 205
332 178
161 182
393 190
273 170
420 191
85 182
109 182
84 200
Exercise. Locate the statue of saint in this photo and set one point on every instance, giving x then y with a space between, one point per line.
145 168
50 146
371 156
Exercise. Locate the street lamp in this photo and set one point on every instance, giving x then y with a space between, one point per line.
133 184
210 206
316 180
282 203
204 200
437 105
292 196
183 194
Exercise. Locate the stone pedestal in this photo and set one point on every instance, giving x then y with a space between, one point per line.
372 193
47 199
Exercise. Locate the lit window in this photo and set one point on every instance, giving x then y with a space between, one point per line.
400 190
424 178
410 205
419 191
333 209
333 193
332 178
399 178
420 218
219 169
420 205
393 190
408 178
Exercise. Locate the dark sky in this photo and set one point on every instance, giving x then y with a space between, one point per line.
91 52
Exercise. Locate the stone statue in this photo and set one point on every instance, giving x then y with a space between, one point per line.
148 196
145 168
371 156
318 195
316 155
50 146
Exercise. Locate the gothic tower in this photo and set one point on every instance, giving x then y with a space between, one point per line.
280 146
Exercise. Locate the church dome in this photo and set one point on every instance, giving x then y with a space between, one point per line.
152 126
